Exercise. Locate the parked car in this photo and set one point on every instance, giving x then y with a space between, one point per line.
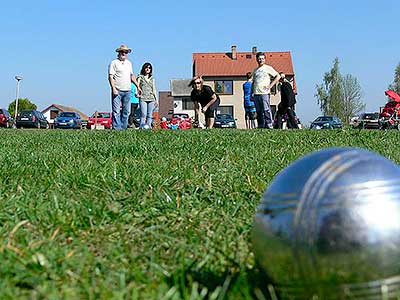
103 118
326 122
368 121
6 120
224 121
31 118
177 117
68 119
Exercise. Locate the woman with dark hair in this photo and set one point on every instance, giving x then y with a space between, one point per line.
209 100
148 99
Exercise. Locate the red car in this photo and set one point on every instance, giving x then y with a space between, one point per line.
6 120
103 118
178 117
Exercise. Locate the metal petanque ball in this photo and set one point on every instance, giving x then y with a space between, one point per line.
328 227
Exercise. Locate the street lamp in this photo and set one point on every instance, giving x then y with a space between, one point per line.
18 78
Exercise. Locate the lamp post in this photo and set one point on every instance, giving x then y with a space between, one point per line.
18 78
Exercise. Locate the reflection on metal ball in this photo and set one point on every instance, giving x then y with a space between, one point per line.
328 227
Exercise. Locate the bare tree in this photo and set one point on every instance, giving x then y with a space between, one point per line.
351 103
395 85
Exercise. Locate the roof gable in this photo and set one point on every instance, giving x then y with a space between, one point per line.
222 64
63 108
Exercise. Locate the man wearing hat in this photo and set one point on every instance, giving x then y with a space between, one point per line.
120 76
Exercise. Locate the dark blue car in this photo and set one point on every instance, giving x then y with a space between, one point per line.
68 119
326 122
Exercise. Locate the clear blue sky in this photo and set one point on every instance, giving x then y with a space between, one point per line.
63 48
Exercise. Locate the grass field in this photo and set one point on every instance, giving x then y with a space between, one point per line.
143 214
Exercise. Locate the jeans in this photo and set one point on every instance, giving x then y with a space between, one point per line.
146 113
264 114
120 120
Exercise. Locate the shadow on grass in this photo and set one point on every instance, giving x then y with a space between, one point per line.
244 284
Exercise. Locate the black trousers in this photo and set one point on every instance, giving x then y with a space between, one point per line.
132 116
291 120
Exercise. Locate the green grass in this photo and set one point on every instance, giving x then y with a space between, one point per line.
143 214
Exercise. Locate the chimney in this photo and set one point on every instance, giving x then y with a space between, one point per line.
254 50
234 53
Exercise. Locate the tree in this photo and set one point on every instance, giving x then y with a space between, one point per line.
351 101
329 93
339 95
395 85
23 103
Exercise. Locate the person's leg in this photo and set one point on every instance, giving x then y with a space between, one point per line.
143 113
116 117
150 109
135 121
259 110
210 122
267 112
247 119
126 100
131 119
279 115
291 120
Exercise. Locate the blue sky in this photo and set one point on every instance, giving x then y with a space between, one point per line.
63 49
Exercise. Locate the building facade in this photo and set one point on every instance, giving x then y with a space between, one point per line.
226 73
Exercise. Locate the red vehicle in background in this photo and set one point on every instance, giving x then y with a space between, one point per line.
6 120
100 118
389 117
183 118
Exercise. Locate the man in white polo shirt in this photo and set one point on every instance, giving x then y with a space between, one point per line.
261 90
120 76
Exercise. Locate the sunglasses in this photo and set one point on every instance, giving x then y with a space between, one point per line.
197 82
124 52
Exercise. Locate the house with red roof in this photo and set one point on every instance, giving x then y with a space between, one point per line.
226 72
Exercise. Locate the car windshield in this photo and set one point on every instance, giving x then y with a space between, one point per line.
224 116
67 114
101 115
323 119
371 116
26 113
186 116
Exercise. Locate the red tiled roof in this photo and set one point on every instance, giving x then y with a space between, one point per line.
222 64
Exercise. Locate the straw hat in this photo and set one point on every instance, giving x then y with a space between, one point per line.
123 48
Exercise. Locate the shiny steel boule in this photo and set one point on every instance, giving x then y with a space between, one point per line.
328 227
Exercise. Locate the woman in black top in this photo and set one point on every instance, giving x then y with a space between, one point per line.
208 99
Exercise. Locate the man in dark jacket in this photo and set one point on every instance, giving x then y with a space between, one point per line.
286 106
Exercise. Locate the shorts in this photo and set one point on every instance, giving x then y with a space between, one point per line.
210 112
250 115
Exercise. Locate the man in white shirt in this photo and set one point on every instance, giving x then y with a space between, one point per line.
120 76
261 90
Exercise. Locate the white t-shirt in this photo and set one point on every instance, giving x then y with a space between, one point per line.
121 71
262 79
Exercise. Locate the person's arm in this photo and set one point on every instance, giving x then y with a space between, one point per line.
252 87
155 92
111 72
196 111
275 81
137 83
213 99
112 85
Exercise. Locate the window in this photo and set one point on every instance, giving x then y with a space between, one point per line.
225 110
224 87
187 103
